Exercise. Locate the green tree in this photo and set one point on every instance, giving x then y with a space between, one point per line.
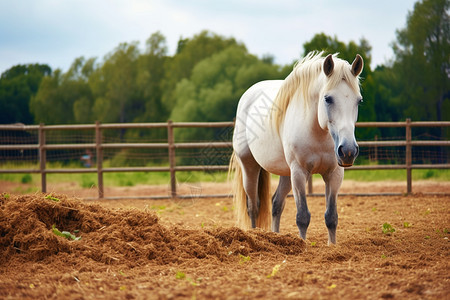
422 61
217 83
17 86
384 90
189 53
114 86
157 45
76 88
149 77
64 98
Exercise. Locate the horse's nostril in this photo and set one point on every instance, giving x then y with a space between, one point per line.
340 152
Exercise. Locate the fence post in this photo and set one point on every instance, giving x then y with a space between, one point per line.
170 140
99 152
408 157
42 158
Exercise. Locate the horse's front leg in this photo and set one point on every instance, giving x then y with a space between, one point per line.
333 182
299 178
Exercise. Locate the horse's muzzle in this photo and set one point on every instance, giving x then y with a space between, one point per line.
346 154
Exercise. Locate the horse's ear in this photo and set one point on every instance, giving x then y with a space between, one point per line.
328 65
357 65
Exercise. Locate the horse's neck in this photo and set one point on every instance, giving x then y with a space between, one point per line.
301 115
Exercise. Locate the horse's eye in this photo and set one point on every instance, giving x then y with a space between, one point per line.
360 101
329 99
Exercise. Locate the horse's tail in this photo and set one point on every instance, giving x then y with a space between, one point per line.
264 220
240 198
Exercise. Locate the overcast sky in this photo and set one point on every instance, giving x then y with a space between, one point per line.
55 32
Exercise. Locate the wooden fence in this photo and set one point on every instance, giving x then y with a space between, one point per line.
171 145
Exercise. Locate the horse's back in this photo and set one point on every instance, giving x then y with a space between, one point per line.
266 89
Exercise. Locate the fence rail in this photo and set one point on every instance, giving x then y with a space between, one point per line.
171 146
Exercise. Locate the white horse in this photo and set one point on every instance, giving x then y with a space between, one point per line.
294 128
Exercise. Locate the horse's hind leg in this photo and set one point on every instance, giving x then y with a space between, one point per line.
250 176
279 200
333 182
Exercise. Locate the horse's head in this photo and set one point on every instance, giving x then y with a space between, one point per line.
338 106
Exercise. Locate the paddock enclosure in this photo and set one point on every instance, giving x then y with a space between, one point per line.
172 148
388 247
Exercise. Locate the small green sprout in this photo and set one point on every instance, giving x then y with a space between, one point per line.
406 224
333 286
388 229
275 270
180 275
50 197
243 259
65 234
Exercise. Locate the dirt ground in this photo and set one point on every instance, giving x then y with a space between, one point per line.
190 249
73 189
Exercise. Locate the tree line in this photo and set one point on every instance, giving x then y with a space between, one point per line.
208 73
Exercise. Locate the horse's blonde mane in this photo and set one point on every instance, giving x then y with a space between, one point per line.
302 83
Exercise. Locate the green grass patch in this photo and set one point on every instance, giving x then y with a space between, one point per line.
398 175
201 176
392 175
88 181
18 177
26 190
26 178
